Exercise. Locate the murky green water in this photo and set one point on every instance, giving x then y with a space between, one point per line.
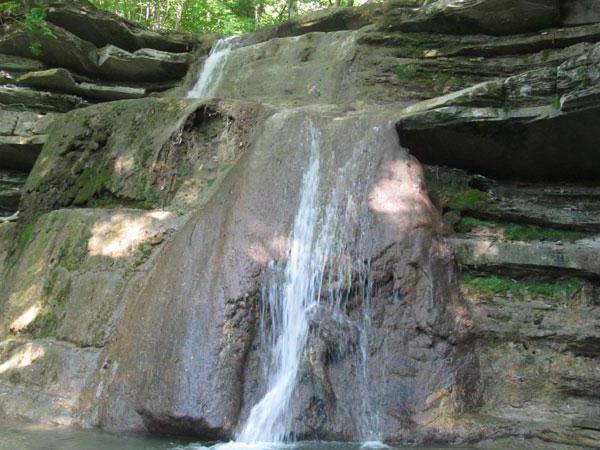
40 438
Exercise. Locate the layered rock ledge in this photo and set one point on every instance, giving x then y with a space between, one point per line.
147 224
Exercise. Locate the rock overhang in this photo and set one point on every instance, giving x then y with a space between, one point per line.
530 144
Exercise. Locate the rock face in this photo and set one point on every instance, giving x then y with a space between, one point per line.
93 56
462 166
497 17
519 127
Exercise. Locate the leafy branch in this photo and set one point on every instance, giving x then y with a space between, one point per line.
33 20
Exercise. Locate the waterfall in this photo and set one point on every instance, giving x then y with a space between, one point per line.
319 273
212 70
289 308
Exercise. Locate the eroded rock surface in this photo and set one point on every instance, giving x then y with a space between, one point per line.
148 227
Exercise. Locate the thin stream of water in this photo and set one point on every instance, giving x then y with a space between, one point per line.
289 306
319 273
212 70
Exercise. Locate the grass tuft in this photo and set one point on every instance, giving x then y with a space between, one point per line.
521 289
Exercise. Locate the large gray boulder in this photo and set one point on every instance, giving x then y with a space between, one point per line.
151 153
102 28
497 17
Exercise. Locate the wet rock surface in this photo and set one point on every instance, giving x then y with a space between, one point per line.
148 225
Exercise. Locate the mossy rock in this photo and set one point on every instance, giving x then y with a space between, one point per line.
489 286
138 153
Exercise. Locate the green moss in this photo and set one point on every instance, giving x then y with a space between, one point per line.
107 199
26 232
404 71
521 289
55 292
468 224
469 199
411 50
143 252
45 324
556 102
74 249
92 181
459 198
456 194
520 232
436 82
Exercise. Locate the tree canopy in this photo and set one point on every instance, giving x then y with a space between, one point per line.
225 17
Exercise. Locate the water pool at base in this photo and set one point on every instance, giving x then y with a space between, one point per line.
43 438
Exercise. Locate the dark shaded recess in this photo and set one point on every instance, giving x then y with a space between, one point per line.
172 425
565 147
20 157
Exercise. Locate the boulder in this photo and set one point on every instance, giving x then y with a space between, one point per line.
63 50
61 80
581 258
496 17
313 73
24 123
141 65
17 64
17 97
69 51
61 314
102 28
558 206
578 12
150 152
199 334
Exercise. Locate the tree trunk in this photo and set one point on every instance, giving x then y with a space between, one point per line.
292 6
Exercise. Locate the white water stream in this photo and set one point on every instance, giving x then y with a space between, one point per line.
317 274
289 307
212 70
317 240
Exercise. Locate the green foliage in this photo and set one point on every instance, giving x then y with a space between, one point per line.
521 289
226 17
32 19
520 232
9 6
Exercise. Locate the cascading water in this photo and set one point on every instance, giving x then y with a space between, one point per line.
289 308
319 272
212 70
